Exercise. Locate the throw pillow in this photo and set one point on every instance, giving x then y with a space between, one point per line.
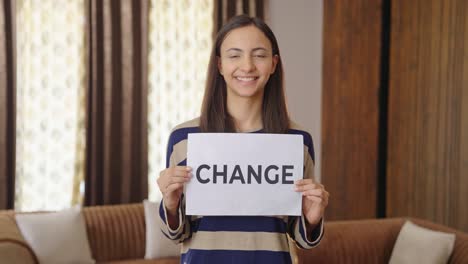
58 237
157 244
416 244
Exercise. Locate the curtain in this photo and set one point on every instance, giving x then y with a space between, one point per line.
225 9
117 165
180 37
7 104
50 103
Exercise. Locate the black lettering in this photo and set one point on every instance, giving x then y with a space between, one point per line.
222 173
276 175
237 175
287 174
199 178
257 175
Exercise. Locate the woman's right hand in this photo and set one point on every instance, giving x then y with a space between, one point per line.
171 182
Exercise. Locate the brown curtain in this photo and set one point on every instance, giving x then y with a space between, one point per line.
225 9
117 169
7 104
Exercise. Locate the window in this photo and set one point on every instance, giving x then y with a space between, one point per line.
180 44
50 103
51 87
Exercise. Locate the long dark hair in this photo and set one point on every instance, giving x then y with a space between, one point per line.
214 115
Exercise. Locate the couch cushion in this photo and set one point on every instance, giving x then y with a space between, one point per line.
116 232
157 244
416 244
58 237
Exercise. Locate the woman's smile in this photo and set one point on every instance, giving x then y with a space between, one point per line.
246 62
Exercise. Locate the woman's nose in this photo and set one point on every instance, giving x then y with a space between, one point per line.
247 64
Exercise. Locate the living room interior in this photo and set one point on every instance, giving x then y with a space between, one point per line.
90 91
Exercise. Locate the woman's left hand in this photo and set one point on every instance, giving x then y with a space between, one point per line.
314 200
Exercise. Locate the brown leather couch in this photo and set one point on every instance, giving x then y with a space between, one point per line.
117 235
371 241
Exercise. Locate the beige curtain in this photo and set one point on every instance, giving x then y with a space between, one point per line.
117 165
7 103
180 37
50 103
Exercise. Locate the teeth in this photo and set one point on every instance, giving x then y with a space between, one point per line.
245 79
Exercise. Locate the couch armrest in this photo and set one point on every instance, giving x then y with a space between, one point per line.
460 251
357 241
13 247
14 253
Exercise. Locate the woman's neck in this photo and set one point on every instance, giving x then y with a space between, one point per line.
246 113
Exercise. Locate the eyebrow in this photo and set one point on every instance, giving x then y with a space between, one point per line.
237 49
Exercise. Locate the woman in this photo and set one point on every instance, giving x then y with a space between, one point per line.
244 93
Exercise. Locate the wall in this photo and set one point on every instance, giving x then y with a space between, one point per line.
298 27
395 109
427 165
351 109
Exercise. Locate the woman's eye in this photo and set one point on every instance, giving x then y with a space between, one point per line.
233 56
260 56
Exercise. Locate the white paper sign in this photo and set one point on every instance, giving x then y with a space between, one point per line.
244 174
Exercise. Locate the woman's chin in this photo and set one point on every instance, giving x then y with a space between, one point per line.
246 92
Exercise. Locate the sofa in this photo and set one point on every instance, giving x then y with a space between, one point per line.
372 241
116 234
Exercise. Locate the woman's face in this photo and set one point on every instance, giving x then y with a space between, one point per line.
246 62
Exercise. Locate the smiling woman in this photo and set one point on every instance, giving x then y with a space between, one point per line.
244 92
246 62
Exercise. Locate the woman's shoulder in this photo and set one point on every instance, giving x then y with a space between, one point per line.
193 123
296 128
180 132
190 126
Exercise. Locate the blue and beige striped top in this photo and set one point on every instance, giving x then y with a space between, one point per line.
236 239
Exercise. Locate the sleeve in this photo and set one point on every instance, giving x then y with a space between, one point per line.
297 228
183 231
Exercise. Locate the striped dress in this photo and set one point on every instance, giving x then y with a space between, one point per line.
236 239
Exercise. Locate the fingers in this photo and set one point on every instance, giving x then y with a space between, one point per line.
179 171
317 195
173 187
307 184
323 201
177 180
312 191
304 182
302 188
318 200
173 178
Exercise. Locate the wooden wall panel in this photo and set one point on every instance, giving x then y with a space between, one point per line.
351 67
427 166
